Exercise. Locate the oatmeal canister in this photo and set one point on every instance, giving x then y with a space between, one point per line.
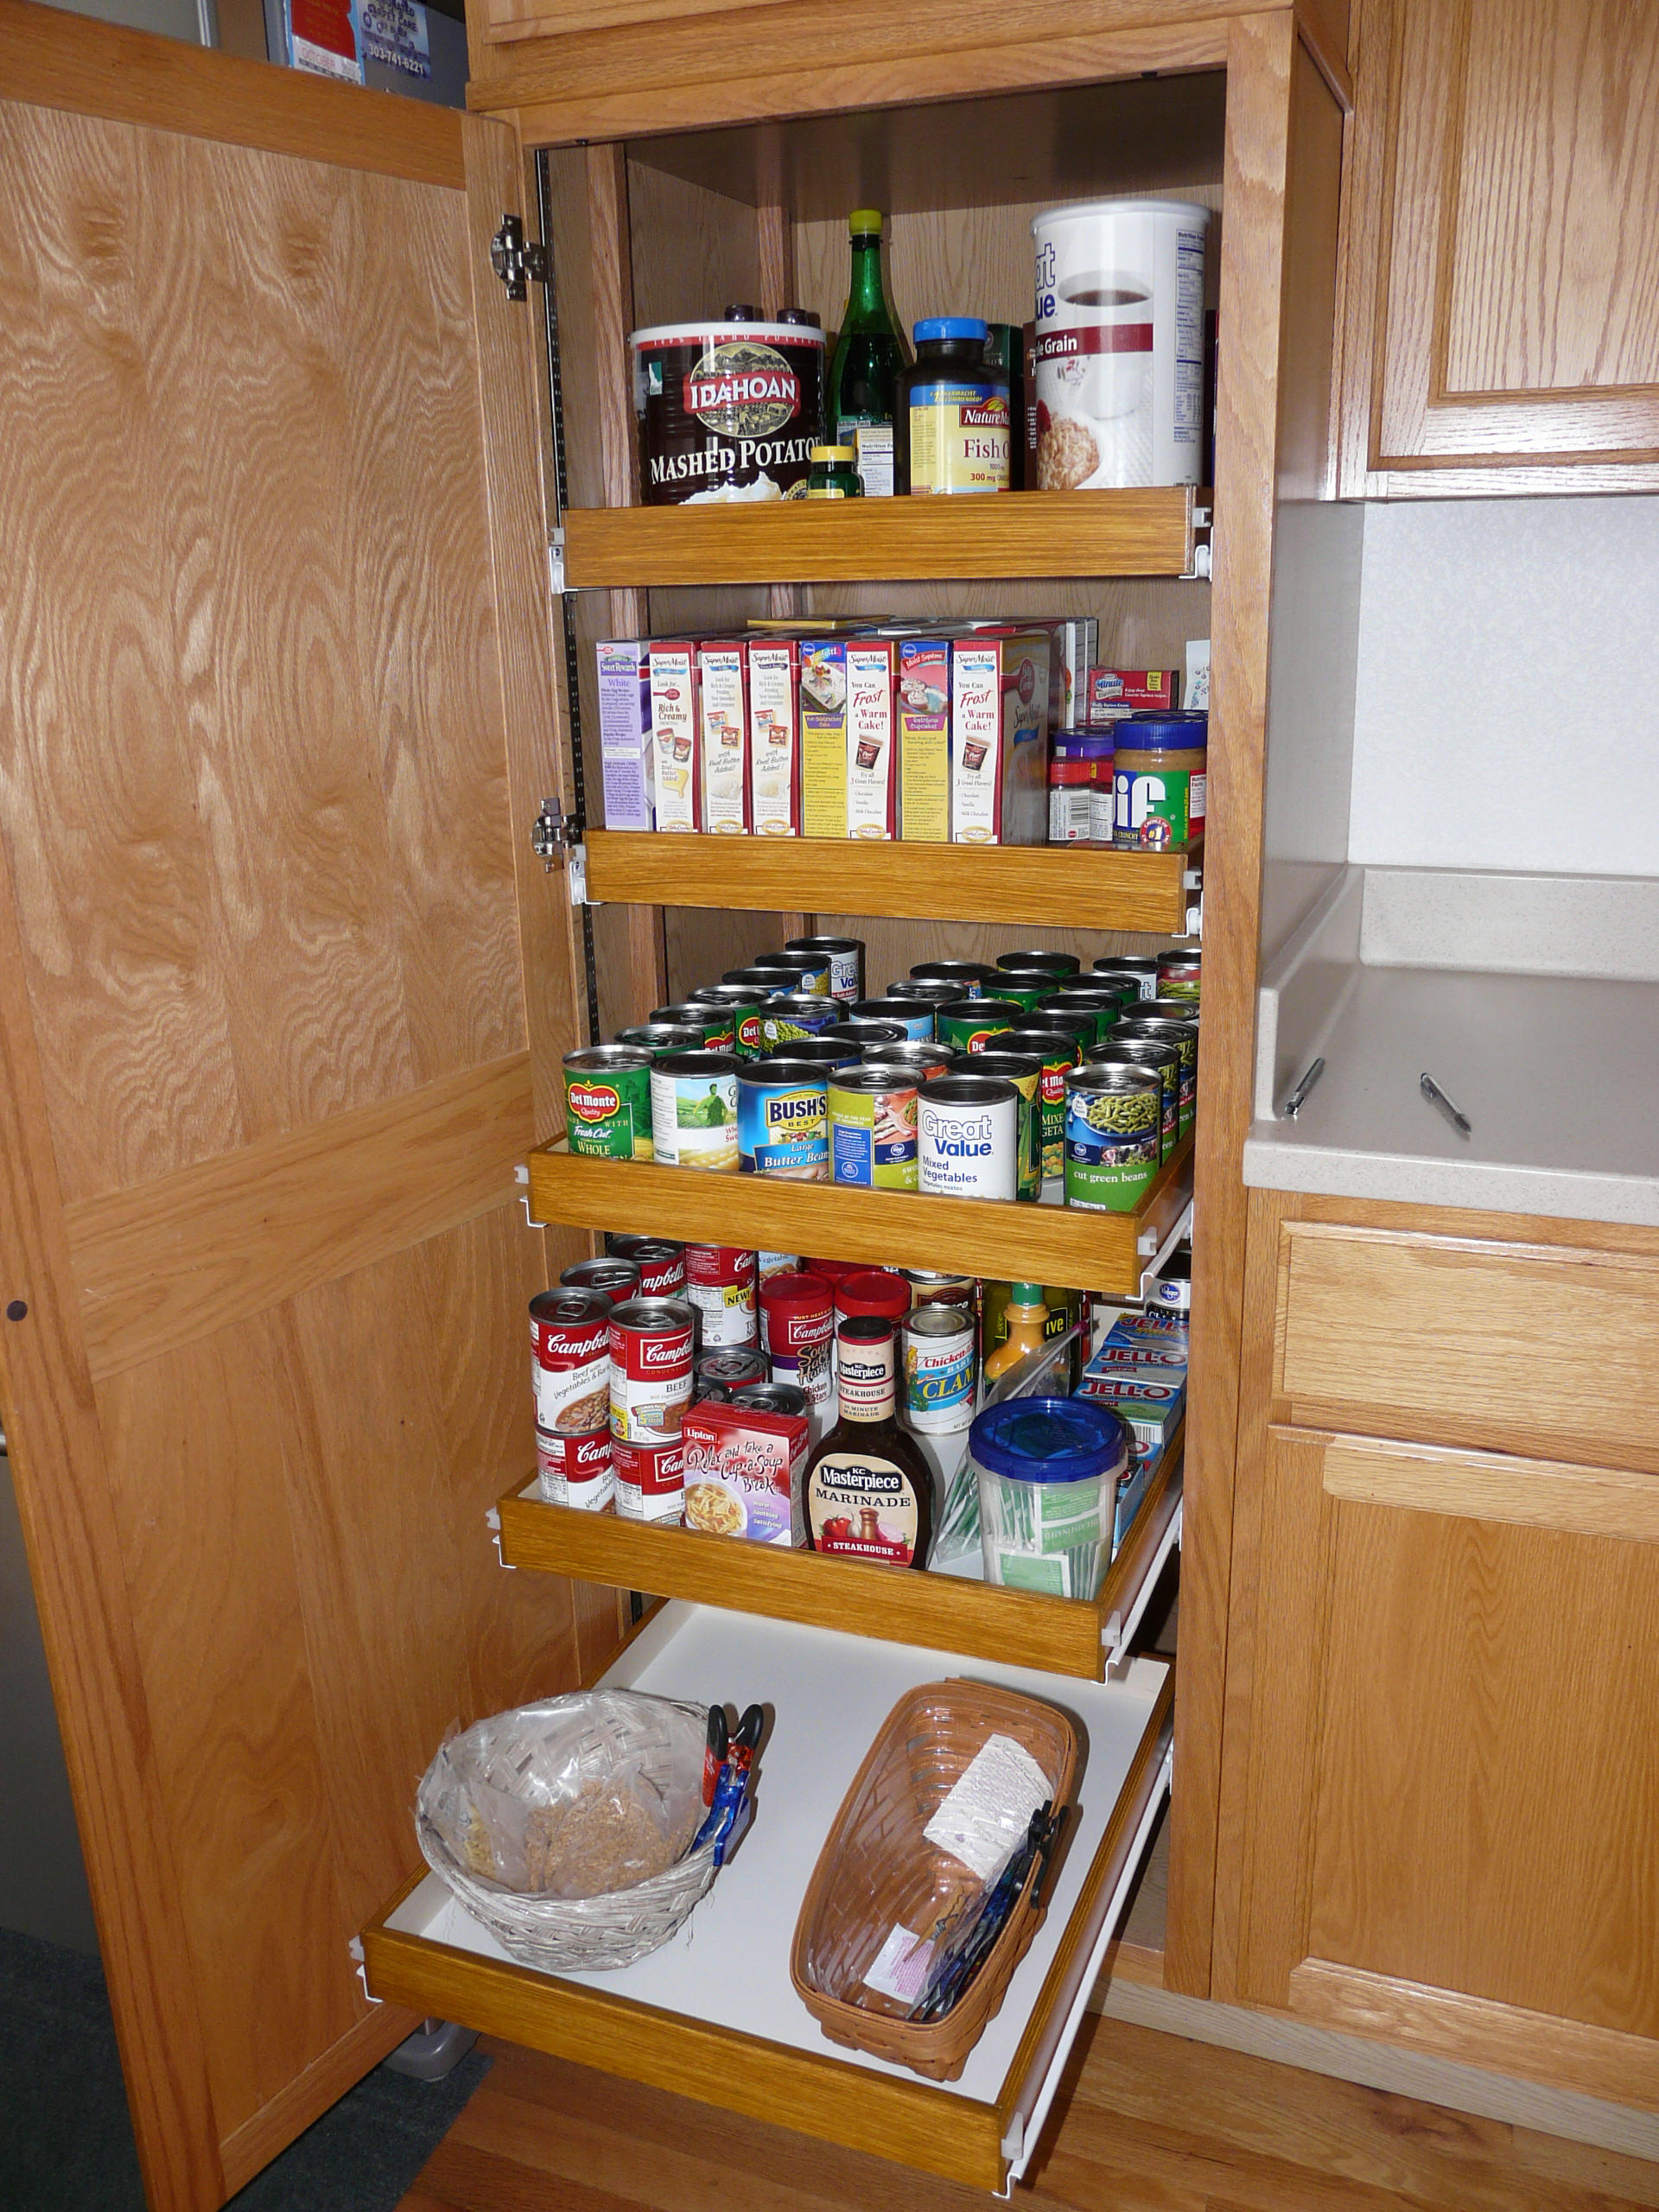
569 1337
873 1128
968 1137
650 1479
1118 358
1114 1118
651 1368
694 1110
720 1284
938 1354
727 410
575 1470
782 1128
608 1102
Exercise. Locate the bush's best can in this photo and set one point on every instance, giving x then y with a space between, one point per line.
782 1127
1114 1118
873 1128
694 1110
940 1364
968 1137
608 1102
651 1368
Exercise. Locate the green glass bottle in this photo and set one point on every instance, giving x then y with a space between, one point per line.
871 356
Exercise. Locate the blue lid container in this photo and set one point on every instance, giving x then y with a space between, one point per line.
1049 1440
935 326
1152 731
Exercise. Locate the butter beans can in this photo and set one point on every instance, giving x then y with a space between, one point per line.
939 1364
1024 1071
968 1137
970 1024
608 1102
694 1110
1114 1117
782 1128
873 1128
1056 1054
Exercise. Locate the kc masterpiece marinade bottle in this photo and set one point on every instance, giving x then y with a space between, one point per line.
869 1492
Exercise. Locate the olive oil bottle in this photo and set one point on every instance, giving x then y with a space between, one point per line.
870 357
867 1492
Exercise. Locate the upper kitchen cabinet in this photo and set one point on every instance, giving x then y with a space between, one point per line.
1502 252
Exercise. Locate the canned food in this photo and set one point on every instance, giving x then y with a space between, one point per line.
799 1310
939 1364
726 410
795 970
651 1368
1078 1024
796 1014
848 1041
734 1367
764 980
1040 961
1120 1051
914 1016
821 1051
1114 1117
712 1023
1184 1035
1055 1053
719 1285
576 1471
782 1125
970 1024
971 977
928 1289
741 1003
846 958
1105 1008
661 1265
657 1037
868 1029
649 1479
873 1128
771 1398
616 1276
914 1057
569 1337
1024 1071
1027 987
608 1102
921 990
968 1137
775 1263
694 1110
1139 968
1169 1009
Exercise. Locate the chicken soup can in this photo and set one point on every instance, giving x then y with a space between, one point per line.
651 1368
873 1128
650 1479
846 958
1118 357
727 412
1114 1119
569 1337
734 1367
939 1368
575 1470
968 1137
694 1110
608 1102
782 1125
720 1283
661 1264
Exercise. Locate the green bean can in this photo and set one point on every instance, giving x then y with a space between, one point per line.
607 1102
1024 1071
715 1022
1184 1035
1027 987
1056 1054
1113 1120
1144 1052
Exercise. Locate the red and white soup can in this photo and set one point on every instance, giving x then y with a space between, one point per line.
651 1369
575 1470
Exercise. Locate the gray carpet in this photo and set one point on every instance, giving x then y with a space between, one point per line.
66 2144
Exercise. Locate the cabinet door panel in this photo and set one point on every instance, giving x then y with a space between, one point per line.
279 692
1449 1798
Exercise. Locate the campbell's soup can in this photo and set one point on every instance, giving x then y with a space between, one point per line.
1118 359
720 1284
727 412
800 1313
651 1368
608 1102
617 1277
569 1337
694 1110
1114 1121
650 1479
661 1264
575 1470
939 1368
968 1137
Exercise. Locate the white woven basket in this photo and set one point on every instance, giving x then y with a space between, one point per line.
561 1935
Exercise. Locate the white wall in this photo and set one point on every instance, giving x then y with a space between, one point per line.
1507 702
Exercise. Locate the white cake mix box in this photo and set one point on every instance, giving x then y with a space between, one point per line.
625 733
723 715
872 753
674 733
823 737
774 737
999 738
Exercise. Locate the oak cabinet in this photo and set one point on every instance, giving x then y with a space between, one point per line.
1503 253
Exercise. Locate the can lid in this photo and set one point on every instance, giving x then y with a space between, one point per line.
771 1398
808 315
784 1068
1154 732
1087 210
873 1291
863 222
933 326
1049 1440
740 311
832 453
713 1065
571 1306
713 331
795 1288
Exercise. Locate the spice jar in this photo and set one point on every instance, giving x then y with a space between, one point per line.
1159 781
954 409
832 475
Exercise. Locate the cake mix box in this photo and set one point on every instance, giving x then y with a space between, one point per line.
823 737
999 738
923 708
624 749
871 754
743 1471
673 668
723 736
1075 643
774 739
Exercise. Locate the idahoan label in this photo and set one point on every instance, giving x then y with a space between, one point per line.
742 390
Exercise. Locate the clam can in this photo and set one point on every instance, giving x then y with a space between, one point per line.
1024 1071
970 1024
694 1110
968 1137
873 1128
1056 1054
782 1128
608 1102
1184 1035
940 1369
1114 1118
651 1368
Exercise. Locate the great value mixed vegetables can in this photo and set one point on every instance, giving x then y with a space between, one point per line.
608 1102
1113 1122
968 1137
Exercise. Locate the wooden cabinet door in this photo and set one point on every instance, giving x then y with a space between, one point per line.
1453 1773
278 706
1504 237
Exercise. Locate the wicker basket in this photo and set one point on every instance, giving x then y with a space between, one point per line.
877 1870
564 1934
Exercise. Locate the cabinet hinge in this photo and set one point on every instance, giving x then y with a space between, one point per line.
555 564
516 260
555 836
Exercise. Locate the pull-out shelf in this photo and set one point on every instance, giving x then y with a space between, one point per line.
713 2013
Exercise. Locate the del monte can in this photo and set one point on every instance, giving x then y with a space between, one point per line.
608 1102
